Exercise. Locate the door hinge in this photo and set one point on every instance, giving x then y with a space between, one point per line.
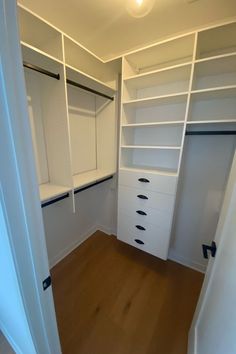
47 282
212 249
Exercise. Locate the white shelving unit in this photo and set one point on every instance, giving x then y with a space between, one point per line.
72 109
188 82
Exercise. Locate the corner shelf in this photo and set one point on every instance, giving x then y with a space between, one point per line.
87 178
49 191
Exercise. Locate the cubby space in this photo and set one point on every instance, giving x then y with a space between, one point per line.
164 110
214 73
39 35
165 82
47 113
82 61
217 41
92 136
163 55
162 136
219 105
160 161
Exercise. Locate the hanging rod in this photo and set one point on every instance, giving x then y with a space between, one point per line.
43 205
211 132
70 82
41 70
92 185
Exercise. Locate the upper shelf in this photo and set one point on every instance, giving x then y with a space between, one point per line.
168 53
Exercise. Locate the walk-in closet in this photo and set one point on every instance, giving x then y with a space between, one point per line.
133 151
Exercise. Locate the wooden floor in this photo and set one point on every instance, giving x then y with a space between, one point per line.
111 298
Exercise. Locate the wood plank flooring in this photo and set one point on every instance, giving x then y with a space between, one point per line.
111 298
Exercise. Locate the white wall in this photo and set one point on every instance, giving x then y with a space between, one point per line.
95 209
13 321
204 172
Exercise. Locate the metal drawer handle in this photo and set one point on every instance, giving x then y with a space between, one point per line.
141 196
144 180
140 227
140 212
139 241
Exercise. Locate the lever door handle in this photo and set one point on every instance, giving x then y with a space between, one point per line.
212 249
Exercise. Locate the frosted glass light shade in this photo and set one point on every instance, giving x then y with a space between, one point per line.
139 8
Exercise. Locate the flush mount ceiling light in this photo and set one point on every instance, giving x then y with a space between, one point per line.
139 8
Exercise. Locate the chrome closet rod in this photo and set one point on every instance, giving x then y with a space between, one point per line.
70 82
41 70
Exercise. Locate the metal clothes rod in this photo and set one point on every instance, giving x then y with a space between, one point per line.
92 185
212 132
70 82
43 205
41 70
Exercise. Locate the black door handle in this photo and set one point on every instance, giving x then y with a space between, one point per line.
141 196
140 212
139 241
144 180
212 249
140 227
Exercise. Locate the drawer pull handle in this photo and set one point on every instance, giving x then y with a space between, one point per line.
144 180
140 212
141 196
139 241
139 227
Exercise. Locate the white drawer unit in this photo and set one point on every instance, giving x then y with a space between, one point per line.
139 199
151 238
148 181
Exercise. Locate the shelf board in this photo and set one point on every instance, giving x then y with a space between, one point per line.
36 50
159 147
172 122
87 80
215 57
49 191
212 90
211 121
152 101
86 178
147 169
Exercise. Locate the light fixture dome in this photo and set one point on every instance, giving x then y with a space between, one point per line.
139 8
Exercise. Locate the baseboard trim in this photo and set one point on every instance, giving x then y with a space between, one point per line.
72 247
173 256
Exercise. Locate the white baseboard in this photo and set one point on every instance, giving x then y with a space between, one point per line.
173 256
105 229
72 246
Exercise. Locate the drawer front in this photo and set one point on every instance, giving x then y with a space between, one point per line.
154 240
140 199
148 181
146 215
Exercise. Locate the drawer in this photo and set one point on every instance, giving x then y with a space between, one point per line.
133 198
146 215
148 181
155 240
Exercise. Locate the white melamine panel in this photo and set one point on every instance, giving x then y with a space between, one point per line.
81 107
150 159
166 135
155 182
106 124
217 41
172 52
205 167
162 83
152 216
155 238
217 105
48 191
159 201
215 73
86 178
164 110
39 35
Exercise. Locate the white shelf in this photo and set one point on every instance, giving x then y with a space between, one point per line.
211 121
152 101
161 147
49 191
147 169
86 178
174 122
41 52
89 81
214 90
215 57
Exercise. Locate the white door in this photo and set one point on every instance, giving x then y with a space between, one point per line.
21 224
213 329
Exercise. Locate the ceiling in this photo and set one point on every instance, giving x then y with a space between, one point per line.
107 29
